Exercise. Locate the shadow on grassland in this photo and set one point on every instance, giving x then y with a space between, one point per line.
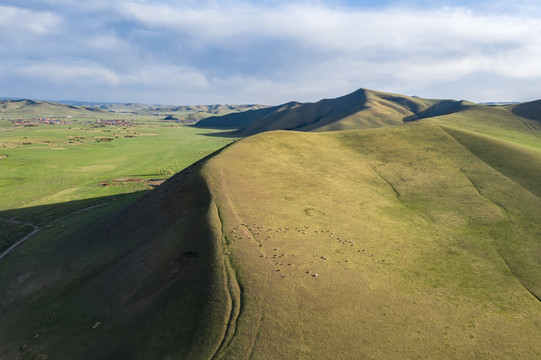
231 133
44 214
24 223
115 281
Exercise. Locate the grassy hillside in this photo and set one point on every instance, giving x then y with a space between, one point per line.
451 247
500 122
413 241
361 109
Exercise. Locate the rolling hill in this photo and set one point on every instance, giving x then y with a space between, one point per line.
361 109
414 241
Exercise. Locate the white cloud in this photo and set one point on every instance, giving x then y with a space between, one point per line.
242 51
68 74
168 77
16 20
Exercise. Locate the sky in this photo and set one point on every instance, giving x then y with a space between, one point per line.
268 52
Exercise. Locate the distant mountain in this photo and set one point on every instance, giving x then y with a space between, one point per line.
359 110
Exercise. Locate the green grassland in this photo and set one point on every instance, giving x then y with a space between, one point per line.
420 240
73 161
51 164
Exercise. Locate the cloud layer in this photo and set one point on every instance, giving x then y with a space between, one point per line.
270 52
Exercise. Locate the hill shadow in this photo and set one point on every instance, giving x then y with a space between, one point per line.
444 107
227 133
142 265
530 110
232 134
19 225
43 214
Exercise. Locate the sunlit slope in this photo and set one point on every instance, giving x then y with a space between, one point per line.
393 243
520 163
362 109
389 243
501 122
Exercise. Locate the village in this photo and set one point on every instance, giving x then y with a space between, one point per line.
38 120
117 122
56 121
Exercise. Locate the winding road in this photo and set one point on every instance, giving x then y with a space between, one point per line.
37 228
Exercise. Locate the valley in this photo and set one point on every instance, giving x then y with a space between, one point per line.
373 225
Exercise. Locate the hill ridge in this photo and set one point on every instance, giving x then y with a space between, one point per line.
362 108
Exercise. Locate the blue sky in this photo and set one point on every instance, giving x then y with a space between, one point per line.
269 52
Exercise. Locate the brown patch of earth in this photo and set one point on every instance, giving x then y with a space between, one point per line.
126 181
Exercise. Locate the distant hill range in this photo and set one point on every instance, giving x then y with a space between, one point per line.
361 109
191 113
216 109
45 108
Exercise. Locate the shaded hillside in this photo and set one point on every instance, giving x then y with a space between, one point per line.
529 110
138 284
361 109
45 108
402 242
239 120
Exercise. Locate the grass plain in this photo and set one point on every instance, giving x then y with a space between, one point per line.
56 163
